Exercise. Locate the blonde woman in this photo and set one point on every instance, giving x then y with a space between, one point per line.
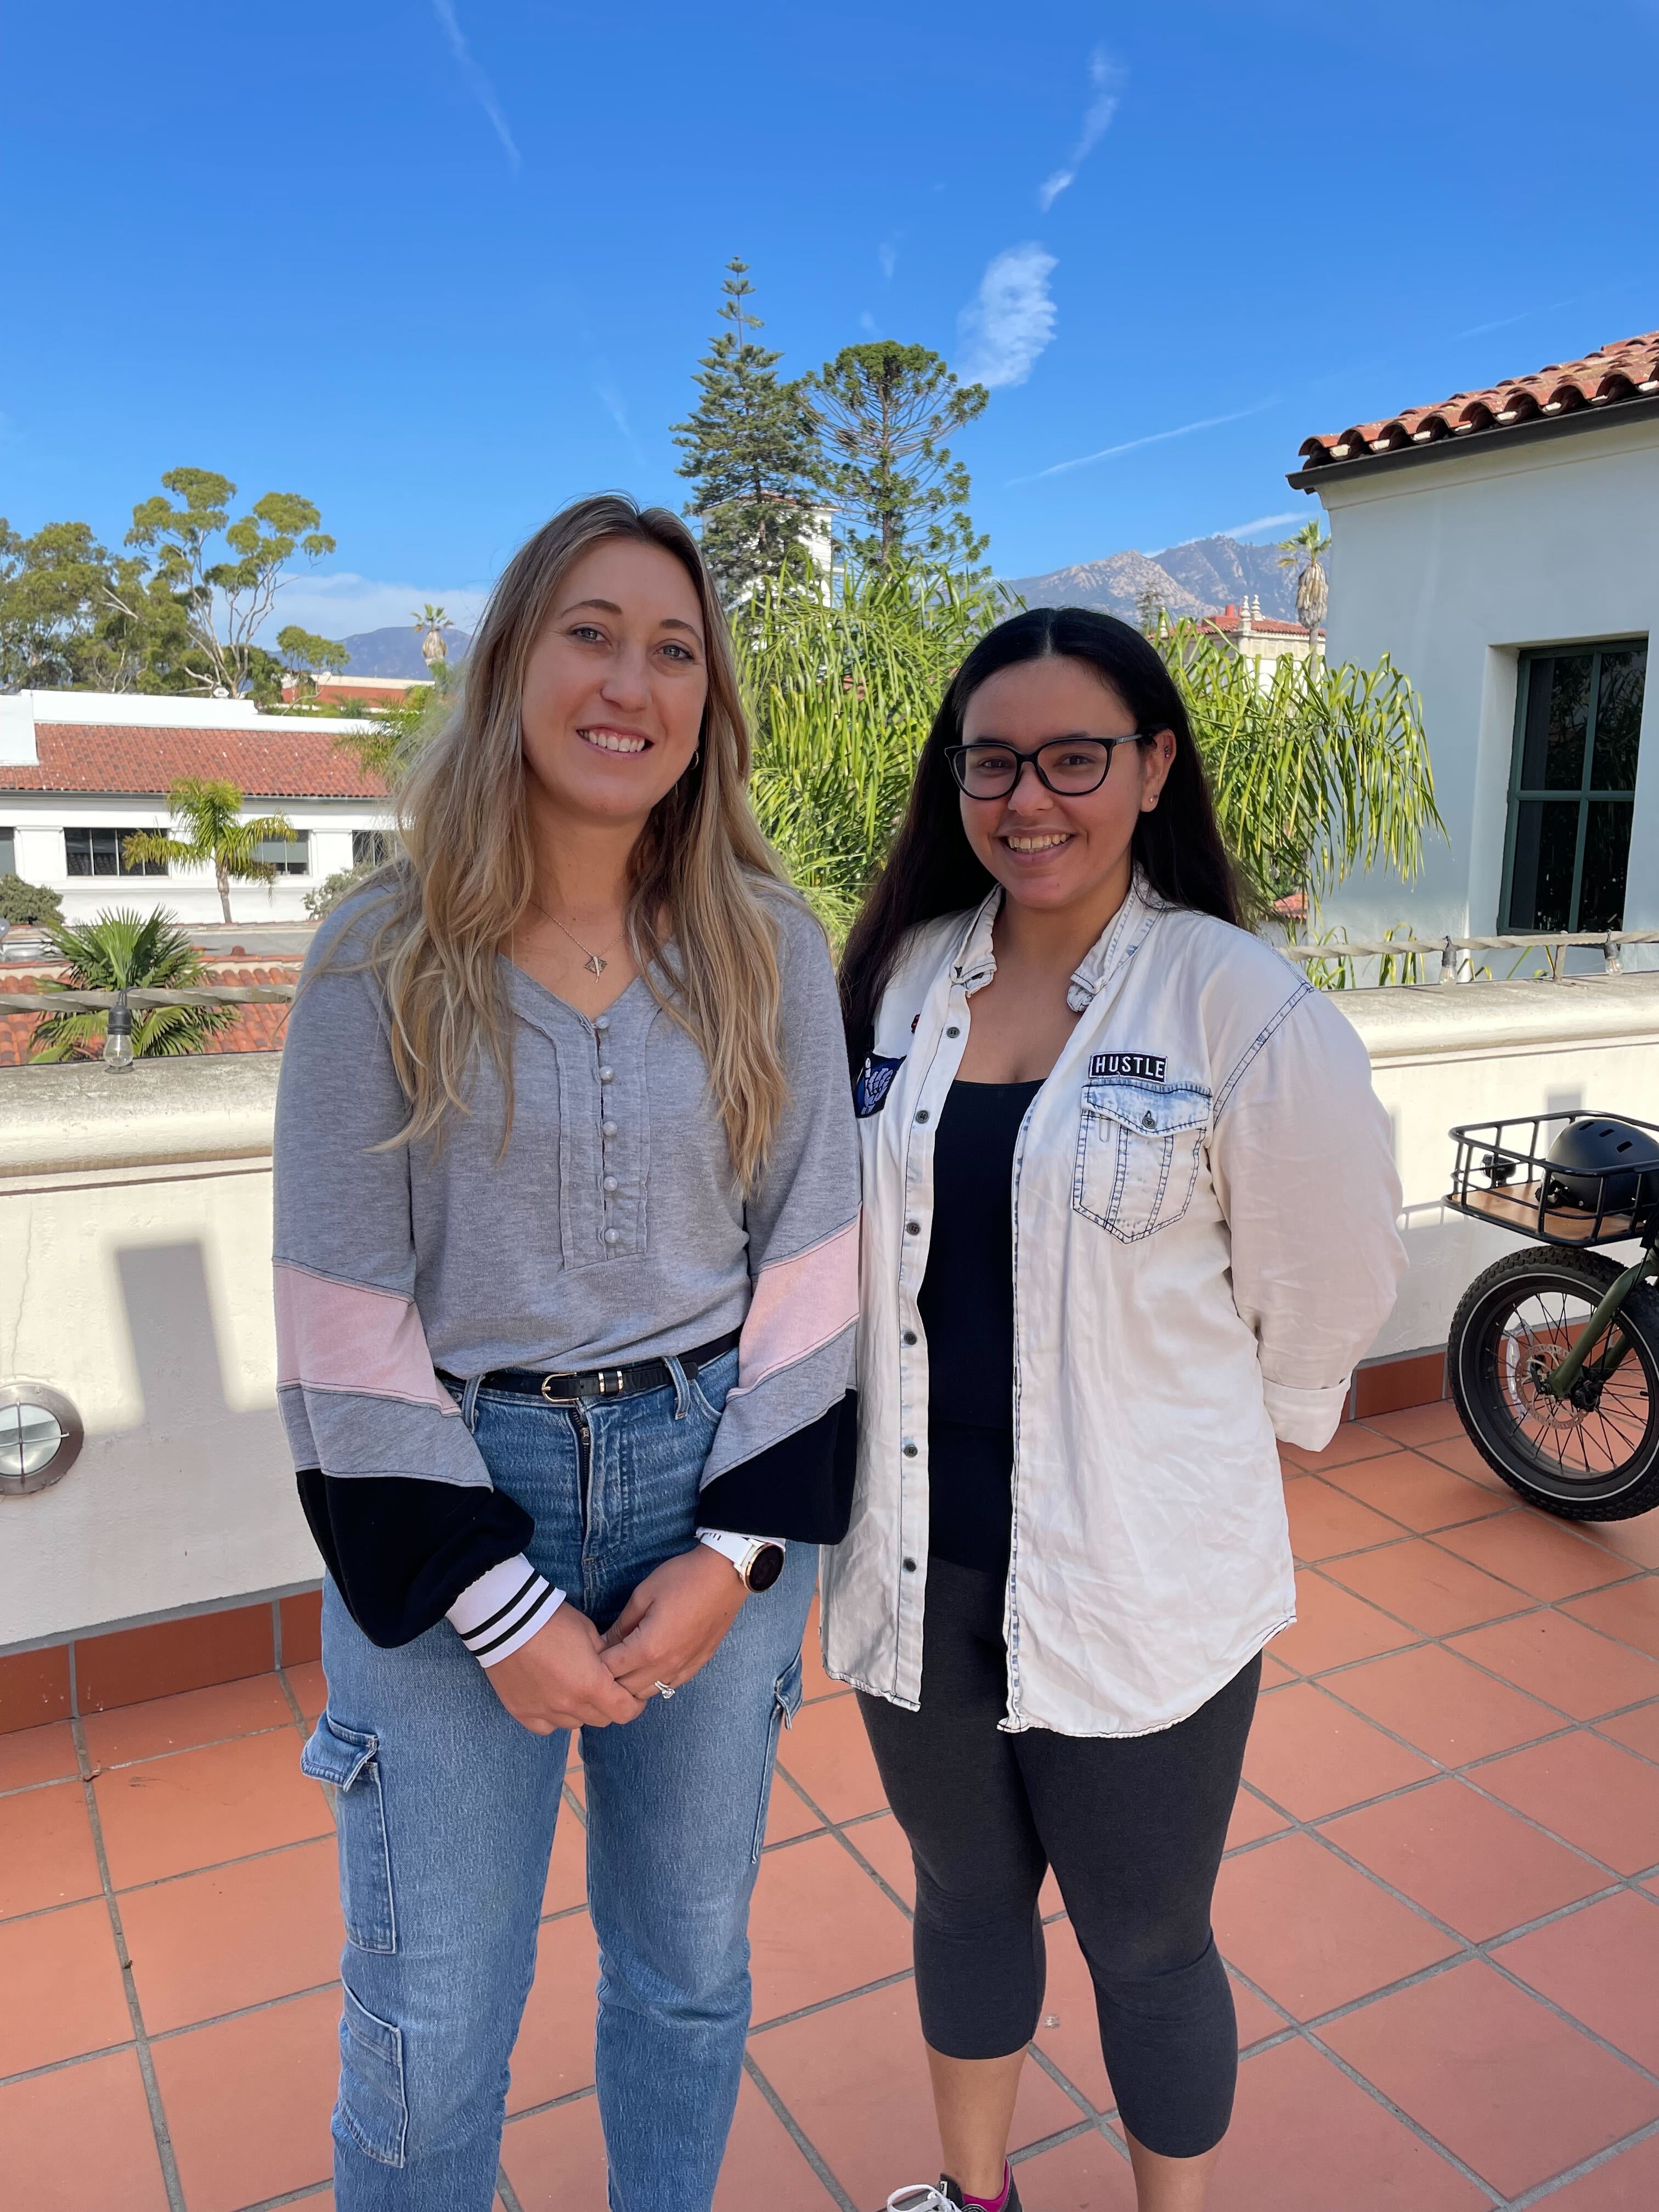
566 1278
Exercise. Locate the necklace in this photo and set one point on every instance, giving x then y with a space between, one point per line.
595 963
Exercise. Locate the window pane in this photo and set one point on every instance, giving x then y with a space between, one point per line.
288 855
8 853
1619 721
77 851
131 866
106 852
1558 710
1607 859
1540 888
370 848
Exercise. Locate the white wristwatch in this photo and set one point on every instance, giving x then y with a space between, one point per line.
757 1559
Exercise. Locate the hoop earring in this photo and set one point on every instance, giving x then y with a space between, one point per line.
696 758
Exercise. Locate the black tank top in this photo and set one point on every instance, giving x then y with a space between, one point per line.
966 1308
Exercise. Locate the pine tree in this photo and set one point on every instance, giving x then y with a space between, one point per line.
884 410
751 451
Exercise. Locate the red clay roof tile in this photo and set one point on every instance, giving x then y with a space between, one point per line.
1627 370
296 763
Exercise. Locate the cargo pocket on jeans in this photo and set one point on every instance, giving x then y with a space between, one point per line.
350 1760
374 2107
1138 1152
786 1704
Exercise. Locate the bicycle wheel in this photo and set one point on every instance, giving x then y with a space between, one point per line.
1594 1455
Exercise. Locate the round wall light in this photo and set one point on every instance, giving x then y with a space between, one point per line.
40 1437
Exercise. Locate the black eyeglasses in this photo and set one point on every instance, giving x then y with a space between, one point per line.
1070 767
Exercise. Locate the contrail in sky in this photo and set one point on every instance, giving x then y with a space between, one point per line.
1155 438
483 91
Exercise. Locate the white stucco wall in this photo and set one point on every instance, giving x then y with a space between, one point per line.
1452 565
135 1275
39 819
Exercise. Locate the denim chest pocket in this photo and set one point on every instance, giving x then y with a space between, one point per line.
1138 1152
348 1761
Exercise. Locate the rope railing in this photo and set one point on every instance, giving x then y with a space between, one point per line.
1447 949
1450 951
72 1002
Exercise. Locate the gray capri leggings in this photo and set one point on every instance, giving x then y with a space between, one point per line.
1133 1827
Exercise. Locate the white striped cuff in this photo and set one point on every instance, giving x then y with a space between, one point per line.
503 1609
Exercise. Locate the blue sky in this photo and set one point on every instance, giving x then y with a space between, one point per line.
442 264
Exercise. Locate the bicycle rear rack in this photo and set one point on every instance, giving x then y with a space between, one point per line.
1502 1175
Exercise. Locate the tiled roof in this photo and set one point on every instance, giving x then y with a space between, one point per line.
297 763
1263 625
1624 371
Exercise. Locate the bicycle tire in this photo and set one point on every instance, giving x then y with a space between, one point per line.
1493 1385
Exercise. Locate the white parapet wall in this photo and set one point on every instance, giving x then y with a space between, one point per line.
1443 1054
134 1277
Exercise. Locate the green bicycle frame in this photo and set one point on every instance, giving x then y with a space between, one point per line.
1560 1380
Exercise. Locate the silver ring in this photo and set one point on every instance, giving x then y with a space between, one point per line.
662 1689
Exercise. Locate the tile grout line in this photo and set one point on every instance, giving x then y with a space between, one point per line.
798 2134
1541 2190
158 2118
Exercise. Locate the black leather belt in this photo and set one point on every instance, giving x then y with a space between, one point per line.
565 1389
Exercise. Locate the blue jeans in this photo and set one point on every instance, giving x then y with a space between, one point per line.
447 1808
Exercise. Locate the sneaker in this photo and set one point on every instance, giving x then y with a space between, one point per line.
923 2197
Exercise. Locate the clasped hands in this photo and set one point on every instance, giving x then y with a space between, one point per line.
569 1676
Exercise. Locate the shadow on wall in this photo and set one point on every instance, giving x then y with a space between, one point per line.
191 1443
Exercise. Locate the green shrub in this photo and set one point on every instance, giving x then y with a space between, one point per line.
29 903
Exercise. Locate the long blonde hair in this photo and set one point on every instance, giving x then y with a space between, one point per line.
697 866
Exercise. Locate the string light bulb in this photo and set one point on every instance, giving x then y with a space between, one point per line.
117 1038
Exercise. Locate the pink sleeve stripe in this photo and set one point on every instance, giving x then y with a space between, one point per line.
798 1306
343 1336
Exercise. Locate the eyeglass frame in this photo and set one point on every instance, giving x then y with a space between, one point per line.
960 752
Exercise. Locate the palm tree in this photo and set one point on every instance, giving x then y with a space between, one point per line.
210 811
123 951
434 621
1302 553
1324 771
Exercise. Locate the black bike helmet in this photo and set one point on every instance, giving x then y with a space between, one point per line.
1599 1165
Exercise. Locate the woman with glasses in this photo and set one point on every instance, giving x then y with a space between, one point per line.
1129 1218
567 1234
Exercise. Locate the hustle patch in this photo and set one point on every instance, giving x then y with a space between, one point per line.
1148 1066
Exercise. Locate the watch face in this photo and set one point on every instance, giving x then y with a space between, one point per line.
765 1567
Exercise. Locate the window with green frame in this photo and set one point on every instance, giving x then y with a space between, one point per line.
1572 786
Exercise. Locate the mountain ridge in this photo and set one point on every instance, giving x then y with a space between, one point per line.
1195 579
396 651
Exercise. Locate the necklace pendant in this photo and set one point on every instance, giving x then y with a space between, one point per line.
594 965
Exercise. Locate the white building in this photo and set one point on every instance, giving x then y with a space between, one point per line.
1262 638
1503 547
81 771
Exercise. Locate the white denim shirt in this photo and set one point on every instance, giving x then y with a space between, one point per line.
1203 1199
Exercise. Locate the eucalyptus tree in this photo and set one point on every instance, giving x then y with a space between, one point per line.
222 576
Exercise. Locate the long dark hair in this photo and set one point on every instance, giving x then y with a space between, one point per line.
931 868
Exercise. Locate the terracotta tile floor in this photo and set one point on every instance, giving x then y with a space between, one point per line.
1440 1903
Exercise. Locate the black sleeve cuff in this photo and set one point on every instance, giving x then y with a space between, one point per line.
401 1549
799 1489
